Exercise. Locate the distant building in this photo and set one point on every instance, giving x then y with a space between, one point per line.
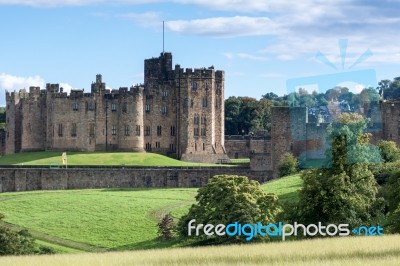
175 112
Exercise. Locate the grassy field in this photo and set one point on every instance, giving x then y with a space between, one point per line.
106 219
90 158
363 251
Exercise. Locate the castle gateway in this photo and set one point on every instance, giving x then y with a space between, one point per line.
175 112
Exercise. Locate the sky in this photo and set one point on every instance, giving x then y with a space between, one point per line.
261 45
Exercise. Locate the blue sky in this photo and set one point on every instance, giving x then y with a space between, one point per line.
259 44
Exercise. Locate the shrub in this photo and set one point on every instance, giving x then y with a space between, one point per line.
16 243
389 151
226 199
166 227
287 165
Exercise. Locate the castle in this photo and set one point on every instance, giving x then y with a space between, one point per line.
177 112
297 130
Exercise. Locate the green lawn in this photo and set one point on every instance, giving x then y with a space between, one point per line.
90 158
107 219
286 187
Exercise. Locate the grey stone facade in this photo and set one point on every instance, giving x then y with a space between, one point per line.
175 112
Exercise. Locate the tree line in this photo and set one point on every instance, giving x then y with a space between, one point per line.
246 115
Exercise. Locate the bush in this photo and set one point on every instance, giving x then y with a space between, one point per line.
287 165
389 151
394 221
16 243
226 199
166 227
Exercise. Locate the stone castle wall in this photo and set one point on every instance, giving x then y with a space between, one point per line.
243 146
27 179
2 142
176 112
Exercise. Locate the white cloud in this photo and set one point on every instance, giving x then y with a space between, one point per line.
67 87
11 83
14 83
147 19
60 3
236 26
253 57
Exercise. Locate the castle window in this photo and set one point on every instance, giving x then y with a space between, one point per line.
127 130
164 110
91 130
165 93
194 86
147 107
186 102
196 131
204 146
60 130
137 130
148 146
113 107
75 106
147 131
206 86
171 147
73 130
196 120
91 106
203 131
159 130
205 102
114 130
158 144
195 146
124 108
172 131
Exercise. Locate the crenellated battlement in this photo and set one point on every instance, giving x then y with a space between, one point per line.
152 116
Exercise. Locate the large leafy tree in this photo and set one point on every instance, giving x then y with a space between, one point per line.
226 199
389 151
345 192
16 243
244 115
392 191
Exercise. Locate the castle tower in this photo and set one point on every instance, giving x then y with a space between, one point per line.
12 102
201 118
33 120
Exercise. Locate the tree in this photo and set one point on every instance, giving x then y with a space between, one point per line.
347 191
226 199
166 227
270 96
232 112
392 193
389 151
287 165
17 243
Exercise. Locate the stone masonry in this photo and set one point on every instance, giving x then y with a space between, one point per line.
175 112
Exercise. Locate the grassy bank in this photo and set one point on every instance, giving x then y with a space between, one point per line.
107 219
94 158
364 251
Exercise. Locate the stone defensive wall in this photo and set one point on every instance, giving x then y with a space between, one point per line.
26 179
